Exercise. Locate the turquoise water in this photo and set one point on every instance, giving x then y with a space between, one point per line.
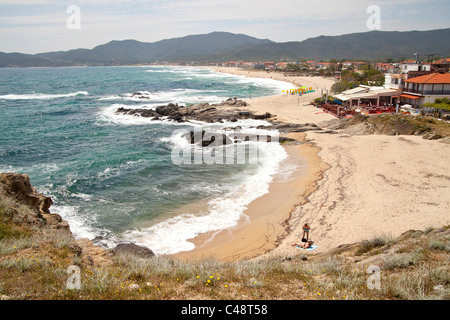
112 175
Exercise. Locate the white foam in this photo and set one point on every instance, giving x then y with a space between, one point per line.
42 96
108 115
78 225
180 96
84 196
173 235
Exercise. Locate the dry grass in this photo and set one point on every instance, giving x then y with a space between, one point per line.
33 265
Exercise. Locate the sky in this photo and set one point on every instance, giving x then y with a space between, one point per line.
35 26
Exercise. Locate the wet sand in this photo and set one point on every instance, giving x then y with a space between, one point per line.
353 188
266 220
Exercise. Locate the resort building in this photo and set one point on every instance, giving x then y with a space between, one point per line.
394 80
426 89
282 65
384 67
269 65
442 61
353 64
367 95
412 66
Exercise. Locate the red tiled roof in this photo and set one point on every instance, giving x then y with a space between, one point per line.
432 78
447 60
409 96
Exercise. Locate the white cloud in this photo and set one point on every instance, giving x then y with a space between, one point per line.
283 20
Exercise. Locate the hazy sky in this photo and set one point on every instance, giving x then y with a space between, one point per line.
33 26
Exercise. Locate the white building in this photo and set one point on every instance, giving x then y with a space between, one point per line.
408 66
394 81
426 89
367 95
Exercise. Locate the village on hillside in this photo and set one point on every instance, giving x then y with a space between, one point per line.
409 86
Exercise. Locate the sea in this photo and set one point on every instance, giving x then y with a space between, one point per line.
113 177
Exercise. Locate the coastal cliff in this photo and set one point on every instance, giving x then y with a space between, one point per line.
18 186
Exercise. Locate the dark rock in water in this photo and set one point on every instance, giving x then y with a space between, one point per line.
169 110
141 95
202 112
207 139
133 249
215 139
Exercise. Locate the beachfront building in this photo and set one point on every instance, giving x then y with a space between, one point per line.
442 61
368 96
413 66
394 80
282 65
269 65
353 64
231 64
312 64
426 89
246 65
367 100
384 67
324 65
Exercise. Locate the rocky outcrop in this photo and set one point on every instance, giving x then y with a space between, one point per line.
133 249
93 255
284 127
391 125
32 208
205 112
141 95
207 139
18 186
232 102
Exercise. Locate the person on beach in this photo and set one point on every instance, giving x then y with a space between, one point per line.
305 236
303 245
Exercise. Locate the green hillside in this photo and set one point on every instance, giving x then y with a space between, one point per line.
223 46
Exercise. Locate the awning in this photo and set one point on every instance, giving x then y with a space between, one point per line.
409 96
341 97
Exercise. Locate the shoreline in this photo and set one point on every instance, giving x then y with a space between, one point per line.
266 221
365 187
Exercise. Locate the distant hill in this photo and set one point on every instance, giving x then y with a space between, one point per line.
223 46
22 60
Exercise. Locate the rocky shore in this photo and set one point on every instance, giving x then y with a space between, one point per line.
229 110
38 216
19 186
232 110
37 266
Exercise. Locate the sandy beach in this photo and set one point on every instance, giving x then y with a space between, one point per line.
348 188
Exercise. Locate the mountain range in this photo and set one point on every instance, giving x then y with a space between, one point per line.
224 46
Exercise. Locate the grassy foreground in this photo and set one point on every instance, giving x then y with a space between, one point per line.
35 261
